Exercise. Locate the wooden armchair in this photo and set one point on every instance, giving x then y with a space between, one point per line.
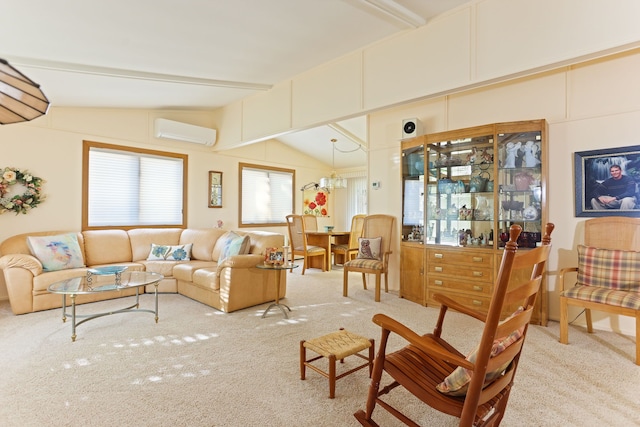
474 388
370 260
608 273
346 252
298 241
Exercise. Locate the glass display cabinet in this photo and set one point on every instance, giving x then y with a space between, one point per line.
462 190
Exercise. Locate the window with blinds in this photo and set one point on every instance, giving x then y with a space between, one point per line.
127 187
266 195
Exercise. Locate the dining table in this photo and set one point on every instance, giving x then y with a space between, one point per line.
324 239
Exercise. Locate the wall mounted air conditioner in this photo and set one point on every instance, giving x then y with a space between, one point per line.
169 129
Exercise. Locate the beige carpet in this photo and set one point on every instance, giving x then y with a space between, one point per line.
200 367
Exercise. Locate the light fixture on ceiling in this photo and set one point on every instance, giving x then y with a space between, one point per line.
21 99
334 181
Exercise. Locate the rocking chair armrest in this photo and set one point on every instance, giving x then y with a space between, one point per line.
561 276
450 303
425 343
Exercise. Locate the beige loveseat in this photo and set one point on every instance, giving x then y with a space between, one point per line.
230 285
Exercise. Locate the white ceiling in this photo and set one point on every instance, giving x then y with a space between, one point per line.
175 54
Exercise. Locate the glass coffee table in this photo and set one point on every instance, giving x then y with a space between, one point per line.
105 280
277 269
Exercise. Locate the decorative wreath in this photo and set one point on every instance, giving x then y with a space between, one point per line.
26 201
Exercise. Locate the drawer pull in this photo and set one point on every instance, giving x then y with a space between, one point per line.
477 274
437 282
477 288
477 259
438 256
476 302
439 269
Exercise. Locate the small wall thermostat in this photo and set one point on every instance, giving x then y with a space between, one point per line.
375 185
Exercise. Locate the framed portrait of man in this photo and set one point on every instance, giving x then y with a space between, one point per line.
607 182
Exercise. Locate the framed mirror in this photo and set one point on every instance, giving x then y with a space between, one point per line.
215 189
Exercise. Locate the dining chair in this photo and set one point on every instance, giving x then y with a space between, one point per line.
374 249
298 242
310 222
474 388
346 252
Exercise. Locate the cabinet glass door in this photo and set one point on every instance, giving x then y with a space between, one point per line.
520 190
413 194
460 192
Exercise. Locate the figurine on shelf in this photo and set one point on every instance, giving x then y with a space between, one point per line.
512 152
486 157
530 154
474 157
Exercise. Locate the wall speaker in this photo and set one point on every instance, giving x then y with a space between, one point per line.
411 128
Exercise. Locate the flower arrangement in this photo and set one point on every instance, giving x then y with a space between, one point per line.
20 203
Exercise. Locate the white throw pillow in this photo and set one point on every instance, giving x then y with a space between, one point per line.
58 252
169 252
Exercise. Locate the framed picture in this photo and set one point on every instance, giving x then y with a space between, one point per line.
215 189
274 256
607 182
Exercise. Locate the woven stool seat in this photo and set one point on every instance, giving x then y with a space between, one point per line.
336 346
341 344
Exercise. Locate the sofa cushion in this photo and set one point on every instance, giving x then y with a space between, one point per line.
233 244
207 278
163 267
184 271
457 383
369 248
170 252
142 238
203 241
106 246
608 268
60 252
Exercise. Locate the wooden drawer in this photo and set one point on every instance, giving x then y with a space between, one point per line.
474 272
445 283
479 258
476 302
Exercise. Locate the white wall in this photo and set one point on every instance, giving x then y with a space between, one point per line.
590 106
480 43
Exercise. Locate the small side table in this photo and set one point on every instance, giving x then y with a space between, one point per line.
277 269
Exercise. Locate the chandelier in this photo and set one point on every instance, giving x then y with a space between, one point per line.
333 181
21 99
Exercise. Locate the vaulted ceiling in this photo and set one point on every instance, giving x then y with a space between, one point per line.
196 54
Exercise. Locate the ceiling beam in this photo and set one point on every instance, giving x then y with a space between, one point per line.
132 74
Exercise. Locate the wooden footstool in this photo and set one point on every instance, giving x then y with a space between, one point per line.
336 346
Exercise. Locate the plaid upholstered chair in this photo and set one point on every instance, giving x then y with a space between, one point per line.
374 249
607 275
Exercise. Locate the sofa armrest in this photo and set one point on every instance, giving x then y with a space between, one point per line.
240 261
25 261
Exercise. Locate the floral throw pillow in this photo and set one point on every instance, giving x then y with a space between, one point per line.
58 252
170 253
369 248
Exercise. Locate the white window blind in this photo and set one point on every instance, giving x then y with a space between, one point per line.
266 195
356 197
134 189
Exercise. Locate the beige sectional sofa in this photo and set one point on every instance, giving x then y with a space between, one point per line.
227 284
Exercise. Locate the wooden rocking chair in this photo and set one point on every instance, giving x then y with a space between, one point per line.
477 387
